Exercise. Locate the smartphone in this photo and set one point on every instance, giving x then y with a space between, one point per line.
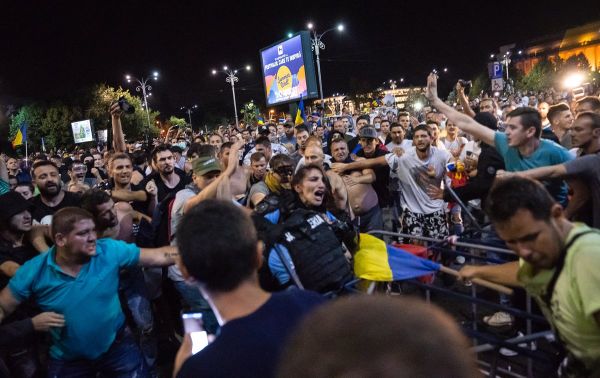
192 324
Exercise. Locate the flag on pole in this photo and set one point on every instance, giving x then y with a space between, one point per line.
376 261
21 136
299 113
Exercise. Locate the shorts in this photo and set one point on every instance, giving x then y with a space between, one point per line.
432 225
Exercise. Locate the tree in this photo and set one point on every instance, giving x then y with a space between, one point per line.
480 84
33 115
135 125
174 121
250 113
541 77
56 125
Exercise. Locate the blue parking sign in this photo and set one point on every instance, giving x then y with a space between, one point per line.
495 70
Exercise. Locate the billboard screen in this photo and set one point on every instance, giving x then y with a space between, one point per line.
82 131
288 70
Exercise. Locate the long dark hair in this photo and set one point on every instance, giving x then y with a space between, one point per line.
301 174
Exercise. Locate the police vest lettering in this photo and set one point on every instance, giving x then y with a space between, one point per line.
317 253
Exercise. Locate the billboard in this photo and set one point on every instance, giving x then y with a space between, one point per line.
288 70
82 131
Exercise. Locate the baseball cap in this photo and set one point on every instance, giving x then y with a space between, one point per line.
205 164
12 203
367 132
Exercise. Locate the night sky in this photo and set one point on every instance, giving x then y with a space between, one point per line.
53 48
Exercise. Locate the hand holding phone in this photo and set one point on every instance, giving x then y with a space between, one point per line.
192 325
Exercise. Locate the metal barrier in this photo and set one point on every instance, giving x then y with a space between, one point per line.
439 246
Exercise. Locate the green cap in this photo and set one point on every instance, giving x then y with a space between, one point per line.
205 164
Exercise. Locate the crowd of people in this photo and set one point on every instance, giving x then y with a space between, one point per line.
102 248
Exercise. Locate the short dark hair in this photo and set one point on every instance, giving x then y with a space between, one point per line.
594 118
530 117
91 199
217 243
263 140
41 163
422 127
387 345
593 101
257 156
64 219
280 160
158 149
225 145
555 110
27 184
432 122
201 150
395 124
364 117
302 127
403 114
513 194
118 155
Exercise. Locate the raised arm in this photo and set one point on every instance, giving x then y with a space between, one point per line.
463 100
462 121
117 129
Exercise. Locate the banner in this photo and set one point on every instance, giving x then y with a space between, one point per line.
82 131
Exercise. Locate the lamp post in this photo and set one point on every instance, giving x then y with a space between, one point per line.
232 79
189 113
317 45
142 86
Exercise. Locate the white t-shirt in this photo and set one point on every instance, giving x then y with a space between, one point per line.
470 146
413 177
405 145
455 144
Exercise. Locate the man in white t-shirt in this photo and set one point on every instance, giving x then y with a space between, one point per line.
416 168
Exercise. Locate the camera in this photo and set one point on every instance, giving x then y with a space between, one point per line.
466 84
125 106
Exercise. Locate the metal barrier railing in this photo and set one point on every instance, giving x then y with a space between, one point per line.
440 246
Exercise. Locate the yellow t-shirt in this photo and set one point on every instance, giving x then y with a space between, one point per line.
576 295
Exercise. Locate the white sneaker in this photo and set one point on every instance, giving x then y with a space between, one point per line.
499 319
511 353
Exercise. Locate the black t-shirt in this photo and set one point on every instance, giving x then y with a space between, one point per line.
251 346
382 178
164 190
41 210
19 255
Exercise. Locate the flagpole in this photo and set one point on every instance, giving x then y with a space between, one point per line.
26 150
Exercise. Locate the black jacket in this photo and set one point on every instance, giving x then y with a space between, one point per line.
477 187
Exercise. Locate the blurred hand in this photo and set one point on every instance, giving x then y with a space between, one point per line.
398 151
115 110
431 93
151 188
46 320
469 272
338 168
435 192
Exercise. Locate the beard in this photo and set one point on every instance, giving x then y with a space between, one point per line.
50 190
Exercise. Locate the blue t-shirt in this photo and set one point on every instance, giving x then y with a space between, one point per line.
251 346
548 153
89 302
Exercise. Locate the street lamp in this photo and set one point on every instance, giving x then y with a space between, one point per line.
142 86
232 79
189 113
318 45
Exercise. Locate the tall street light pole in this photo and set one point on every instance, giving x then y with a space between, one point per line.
230 77
145 88
189 113
317 45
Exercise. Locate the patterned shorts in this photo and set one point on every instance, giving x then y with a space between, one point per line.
431 225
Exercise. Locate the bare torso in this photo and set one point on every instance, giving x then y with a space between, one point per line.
362 197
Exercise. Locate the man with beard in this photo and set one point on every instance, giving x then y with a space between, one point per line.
417 168
78 278
302 135
166 177
361 195
52 198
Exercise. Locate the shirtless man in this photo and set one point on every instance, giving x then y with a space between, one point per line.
313 154
239 178
363 198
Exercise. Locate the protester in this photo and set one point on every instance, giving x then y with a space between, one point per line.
254 324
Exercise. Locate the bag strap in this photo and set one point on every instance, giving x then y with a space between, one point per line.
547 297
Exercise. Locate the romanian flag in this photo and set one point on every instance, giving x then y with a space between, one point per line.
300 113
376 261
21 136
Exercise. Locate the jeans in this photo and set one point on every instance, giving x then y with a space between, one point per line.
122 360
195 302
133 286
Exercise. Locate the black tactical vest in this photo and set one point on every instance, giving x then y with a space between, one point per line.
317 253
